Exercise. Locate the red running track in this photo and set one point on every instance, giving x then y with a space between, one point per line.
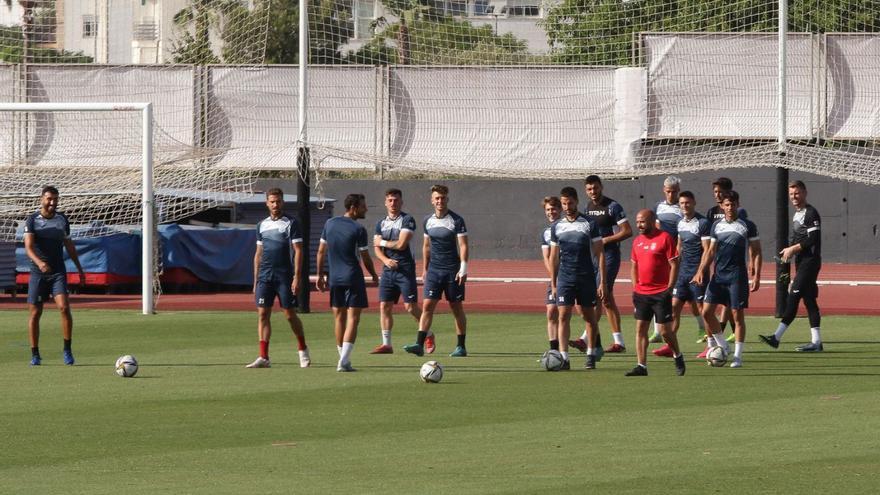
855 291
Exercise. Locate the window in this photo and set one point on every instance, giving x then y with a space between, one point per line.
90 26
364 17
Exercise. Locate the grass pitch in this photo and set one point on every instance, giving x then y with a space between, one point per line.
194 420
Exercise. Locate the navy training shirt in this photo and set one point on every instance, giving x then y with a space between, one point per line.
345 239
49 235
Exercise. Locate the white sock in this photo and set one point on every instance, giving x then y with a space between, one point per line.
656 328
817 338
429 333
780 330
710 341
564 356
345 354
700 324
618 339
675 356
720 340
591 351
738 350
584 336
339 350
643 365
386 337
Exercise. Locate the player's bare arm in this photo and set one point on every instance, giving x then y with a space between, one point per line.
74 256
379 251
621 235
708 255
554 268
297 260
368 264
426 256
599 254
461 276
756 261
674 265
319 265
32 253
257 256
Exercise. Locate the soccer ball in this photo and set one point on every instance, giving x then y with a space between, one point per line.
716 357
552 360
126 366
431 372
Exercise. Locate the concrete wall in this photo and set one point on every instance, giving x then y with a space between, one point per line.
504 218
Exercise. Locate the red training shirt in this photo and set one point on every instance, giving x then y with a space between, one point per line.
652 254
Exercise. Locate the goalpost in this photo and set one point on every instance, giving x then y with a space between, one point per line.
147 202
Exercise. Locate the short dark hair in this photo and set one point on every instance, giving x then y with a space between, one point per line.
568 192
49 189
275 191
798 184
687 194
593 179
440 188
552 200
393 192
732 195
724 183
353 200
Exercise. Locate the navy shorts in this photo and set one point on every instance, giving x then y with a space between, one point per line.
396 283
685 290
267 290
549 299
805 278
612 268
348 296
656 307
581 292
45 286
733 294
438 283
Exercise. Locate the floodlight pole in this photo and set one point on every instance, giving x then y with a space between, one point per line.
781 171
303 192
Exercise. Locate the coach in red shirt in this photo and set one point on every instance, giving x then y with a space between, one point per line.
654 271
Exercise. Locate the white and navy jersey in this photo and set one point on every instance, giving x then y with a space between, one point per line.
545 237
668 216
608 215
443 234
389 229
716 213
575 239
49 235
805 231
276 237
731 255
345 240
692 233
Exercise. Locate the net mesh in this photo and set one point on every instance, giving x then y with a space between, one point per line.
423 88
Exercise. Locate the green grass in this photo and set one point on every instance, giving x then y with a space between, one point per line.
195 421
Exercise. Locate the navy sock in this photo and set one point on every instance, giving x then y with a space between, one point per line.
460 340
35 351
554 345
66 344
420 339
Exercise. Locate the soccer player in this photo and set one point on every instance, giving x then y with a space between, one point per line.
806 249
654 273
574 242
719 187
46 235
445 255
552 208
342 240
693 241
614 227
275 274
391 245
731 239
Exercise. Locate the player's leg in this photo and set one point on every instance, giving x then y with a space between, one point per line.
662 310
389 294
641 368
697 313
340 319
302 350
35 312
612 267
62 301
739 328
564 329
425 322
807 276
553 326
591 321
352 320
455 297
264 297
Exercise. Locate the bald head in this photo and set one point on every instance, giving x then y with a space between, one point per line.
646 221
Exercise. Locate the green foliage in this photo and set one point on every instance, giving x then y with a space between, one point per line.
11 50
603 32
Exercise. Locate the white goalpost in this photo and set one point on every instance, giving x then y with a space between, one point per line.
148 223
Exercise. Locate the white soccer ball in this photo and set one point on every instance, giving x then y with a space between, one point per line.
552 360
716 357
126 366
431 372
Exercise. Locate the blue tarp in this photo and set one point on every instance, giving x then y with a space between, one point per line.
215 255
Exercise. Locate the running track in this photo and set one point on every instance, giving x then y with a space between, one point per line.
519 286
